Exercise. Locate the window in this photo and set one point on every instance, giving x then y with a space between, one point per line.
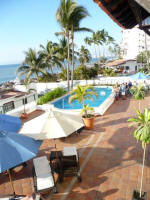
8 106
127 67
24 101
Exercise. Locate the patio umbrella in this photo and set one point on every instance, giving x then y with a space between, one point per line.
139 76
53 125
16 149
59 125
9 123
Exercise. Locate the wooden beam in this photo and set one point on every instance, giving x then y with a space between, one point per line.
136 9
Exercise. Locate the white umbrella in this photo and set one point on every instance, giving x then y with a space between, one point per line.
52 125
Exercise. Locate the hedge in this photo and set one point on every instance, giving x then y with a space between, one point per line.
58 92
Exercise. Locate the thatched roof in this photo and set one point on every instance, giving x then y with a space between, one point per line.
126 13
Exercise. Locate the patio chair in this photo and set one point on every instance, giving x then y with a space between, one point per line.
43 176
70 163
67 163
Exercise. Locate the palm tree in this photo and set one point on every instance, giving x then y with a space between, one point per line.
84 55
138 93
81 93
63 15
142 133
49 55
32 65
77 16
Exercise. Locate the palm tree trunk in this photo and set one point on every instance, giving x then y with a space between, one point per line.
139 106
95 52
68 41
37 77
142 171
72 70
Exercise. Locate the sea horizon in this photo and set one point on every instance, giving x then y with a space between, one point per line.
8 71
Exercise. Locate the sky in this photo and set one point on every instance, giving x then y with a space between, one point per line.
26 24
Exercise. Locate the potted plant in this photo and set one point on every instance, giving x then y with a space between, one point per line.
142 133
82 93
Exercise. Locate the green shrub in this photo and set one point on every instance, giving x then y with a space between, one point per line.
58 92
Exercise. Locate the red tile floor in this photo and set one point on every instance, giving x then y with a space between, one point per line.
110 160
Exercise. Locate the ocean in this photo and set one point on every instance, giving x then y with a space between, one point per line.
8 72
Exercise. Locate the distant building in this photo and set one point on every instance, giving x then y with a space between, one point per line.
133 42
126 66
14 101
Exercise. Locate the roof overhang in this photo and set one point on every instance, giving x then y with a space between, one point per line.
127 13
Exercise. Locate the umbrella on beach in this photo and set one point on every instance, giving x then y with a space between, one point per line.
139 76
9 123
16 149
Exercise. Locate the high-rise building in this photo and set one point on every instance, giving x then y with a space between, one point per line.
134 41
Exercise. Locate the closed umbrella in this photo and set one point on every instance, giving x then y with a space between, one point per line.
9 123
16 149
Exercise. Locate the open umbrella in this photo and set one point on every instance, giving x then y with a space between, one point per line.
9 123
53 125
139 76
16 149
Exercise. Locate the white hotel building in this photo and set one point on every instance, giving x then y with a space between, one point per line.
133 42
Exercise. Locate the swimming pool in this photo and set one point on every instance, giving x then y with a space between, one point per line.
103 94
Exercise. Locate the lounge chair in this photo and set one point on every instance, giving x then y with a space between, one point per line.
43 176
67 163
70 163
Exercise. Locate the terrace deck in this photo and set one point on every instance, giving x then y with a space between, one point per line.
110 160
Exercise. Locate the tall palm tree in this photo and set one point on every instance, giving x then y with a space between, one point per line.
32 65
49 55
77 16
142 133
84 55
63 15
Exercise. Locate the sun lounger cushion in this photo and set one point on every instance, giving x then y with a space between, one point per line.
45 181
41 165
70 151
44 177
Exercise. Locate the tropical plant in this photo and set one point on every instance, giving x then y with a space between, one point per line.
142 133
138 93
32 65
82 73
57 92
82 93
77 16
46 78
142 57
63 16
84 55
108 72
63 74
87 111
49 55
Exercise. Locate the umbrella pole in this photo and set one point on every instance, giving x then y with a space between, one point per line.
56 149
11 182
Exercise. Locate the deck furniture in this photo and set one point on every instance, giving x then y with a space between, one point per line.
43 176
67 163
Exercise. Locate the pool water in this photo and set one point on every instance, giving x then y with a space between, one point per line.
103 94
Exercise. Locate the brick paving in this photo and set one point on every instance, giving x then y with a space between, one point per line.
110 160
